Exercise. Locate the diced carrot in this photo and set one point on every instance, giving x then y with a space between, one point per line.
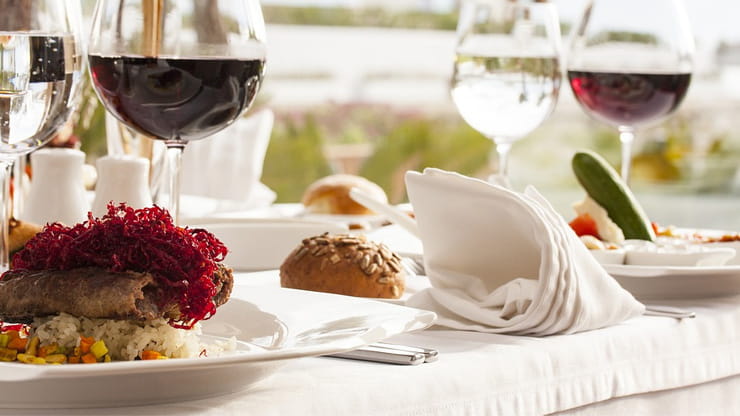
73 360
89 358
150 355
85 343
18 344
43 351
49 349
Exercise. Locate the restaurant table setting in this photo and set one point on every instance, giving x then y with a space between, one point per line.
613 358
503 310
646 365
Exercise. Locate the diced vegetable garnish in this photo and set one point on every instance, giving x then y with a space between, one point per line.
85 344
33 345
151 355
89 358
98 349
7 354
15 345
55 358
30 359
584 225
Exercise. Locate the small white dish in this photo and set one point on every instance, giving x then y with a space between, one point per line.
609 256
271 325
734 245
666 254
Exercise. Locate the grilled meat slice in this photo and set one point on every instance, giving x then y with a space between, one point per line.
90 292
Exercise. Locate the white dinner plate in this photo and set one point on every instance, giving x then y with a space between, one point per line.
656 282
271 325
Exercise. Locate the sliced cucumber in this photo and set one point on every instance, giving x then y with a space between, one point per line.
603 185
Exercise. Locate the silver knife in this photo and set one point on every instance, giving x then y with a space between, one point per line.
382 355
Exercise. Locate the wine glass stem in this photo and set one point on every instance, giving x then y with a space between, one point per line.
6 167
19 182
626 137
502 150
501 168
174 161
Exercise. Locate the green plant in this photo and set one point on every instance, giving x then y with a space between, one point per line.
89 123
294 158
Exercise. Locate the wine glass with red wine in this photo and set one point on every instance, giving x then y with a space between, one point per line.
177 70
630 64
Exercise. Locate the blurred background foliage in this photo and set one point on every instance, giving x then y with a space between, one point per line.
693 151
368 17
396 141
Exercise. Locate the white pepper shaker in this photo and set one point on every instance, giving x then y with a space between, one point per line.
121 178
57 191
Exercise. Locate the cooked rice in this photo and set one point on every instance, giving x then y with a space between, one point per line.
126 339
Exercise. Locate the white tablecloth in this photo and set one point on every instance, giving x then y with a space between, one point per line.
482 374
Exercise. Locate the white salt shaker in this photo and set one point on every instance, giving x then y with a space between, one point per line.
121 179
57 192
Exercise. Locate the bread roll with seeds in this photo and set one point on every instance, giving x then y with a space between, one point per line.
346 265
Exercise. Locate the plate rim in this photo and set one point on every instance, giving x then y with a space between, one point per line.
417 319
628 270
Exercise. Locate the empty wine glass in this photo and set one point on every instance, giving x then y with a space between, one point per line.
40 65
507 70
177 70
630 64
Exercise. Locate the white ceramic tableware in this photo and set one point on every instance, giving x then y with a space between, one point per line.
271 325
121 179
613 256
645 253
262 244
57 192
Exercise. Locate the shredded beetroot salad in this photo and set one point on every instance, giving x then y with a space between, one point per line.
182 260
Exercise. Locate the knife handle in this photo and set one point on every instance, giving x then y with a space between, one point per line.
382 355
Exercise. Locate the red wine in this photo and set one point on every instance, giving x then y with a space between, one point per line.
176 98
629 99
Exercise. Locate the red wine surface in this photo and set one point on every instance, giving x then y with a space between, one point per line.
176 98
629 99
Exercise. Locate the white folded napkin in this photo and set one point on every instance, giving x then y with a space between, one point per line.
227 166
505 262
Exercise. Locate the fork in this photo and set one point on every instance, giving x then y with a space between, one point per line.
414 266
